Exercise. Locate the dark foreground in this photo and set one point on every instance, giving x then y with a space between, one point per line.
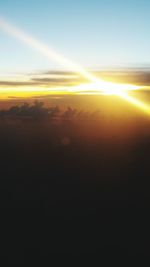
74 185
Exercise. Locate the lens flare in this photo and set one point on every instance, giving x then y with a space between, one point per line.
44 49
96 84
103 87
139 104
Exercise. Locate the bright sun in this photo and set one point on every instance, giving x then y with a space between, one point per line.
103 87
96 86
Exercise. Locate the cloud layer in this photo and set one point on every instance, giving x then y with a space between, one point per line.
57 79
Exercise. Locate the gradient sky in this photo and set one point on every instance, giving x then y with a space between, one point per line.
93 33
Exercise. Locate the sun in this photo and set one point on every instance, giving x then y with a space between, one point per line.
103 87
96 86
108 88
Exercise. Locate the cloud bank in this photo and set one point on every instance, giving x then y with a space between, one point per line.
57 79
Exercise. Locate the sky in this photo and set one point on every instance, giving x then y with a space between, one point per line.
93 33
61 48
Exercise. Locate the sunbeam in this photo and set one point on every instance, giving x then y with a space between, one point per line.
96 85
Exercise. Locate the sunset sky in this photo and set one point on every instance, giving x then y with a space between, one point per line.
94 33
74 126
90 40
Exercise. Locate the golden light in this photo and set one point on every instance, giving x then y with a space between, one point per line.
96 86
137 103
103 87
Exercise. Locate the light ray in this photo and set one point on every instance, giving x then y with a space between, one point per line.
45 49
51 54
132 100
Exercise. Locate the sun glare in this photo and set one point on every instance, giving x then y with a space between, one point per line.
96 85
103 87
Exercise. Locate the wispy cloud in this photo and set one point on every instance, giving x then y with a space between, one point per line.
53 80
48 79
59 77
17 83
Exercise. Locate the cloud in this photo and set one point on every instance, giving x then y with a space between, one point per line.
43 79
60 73
26 110
17 83
140 77
54 79
38 110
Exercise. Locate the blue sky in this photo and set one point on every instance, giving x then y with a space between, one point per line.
93 33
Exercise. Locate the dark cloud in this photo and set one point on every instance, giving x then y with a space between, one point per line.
38 110
15 84
53 80
139 77
58 72
38 82
25 110
142 78
62 78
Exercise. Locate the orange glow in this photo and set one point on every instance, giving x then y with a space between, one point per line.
98 85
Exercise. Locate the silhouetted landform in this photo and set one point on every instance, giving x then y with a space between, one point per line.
70 185
38 110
